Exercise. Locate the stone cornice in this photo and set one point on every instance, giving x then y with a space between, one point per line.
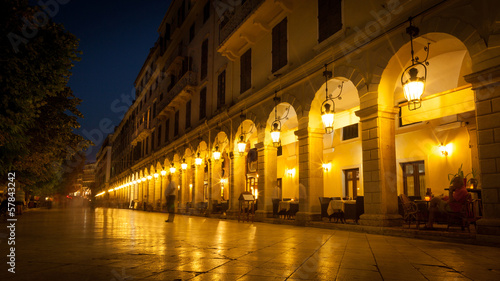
484 78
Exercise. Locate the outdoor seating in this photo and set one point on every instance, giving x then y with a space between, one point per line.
276 202
294 208
468 214
410 210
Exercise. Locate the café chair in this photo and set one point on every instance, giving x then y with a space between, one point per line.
410 210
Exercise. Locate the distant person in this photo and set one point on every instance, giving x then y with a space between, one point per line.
453 203
170 196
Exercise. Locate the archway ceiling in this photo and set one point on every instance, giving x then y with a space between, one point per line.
349 95
446 60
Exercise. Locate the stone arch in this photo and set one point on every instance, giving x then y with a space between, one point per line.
250 136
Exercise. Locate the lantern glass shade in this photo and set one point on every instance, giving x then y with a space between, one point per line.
155 175
143 179
172 169
184 165
150 177
327 118
163 172
413 88
275 134
241 145
216 153
198 160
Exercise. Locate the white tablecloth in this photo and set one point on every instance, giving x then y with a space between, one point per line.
338 205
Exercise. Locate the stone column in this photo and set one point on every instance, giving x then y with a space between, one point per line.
310 173
198 184
486 86
238 180
379 166
267 170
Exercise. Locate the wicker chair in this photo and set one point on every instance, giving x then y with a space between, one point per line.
410 210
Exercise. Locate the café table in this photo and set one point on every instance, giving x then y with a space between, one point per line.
338 205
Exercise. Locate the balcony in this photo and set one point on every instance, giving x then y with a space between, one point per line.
140 133
180 93
248 23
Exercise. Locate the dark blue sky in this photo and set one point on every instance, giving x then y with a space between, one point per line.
115 38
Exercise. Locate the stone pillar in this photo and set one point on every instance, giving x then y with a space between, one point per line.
310 173
236 182
486 86
379 166
267 170
198 184
210 183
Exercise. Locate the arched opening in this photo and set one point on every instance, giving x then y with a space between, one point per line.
439 137
287 159
342 150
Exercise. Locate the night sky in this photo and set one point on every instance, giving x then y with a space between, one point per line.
115 38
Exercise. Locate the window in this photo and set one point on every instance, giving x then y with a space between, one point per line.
154 109
153 141
146 146
350 132
203 103
181 14
351 183
279 49
204 59
206 11
329 18
167 130
414 178
161 96
191 33
176 125
188 114
221 89
246 71
159 135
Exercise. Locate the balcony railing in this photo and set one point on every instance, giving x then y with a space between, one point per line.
187 80
239 15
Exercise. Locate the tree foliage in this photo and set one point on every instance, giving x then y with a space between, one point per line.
38 111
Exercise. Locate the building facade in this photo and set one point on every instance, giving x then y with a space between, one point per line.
225 76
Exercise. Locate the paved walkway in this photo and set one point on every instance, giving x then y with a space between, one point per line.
114 244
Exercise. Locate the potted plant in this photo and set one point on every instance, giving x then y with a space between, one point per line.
474 179
458 179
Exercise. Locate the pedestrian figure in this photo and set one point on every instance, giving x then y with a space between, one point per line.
170 196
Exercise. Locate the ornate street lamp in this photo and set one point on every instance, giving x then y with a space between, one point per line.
184 165
172 168
276 125
163 172
198 161
328 106
156 175
414 86
150 177
242 145
216 153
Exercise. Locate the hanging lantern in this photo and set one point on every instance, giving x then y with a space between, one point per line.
163 172
150 177
156 175
275 133
184 165
242 145
143 179
198 161
328 106
216 153
414 86
172 169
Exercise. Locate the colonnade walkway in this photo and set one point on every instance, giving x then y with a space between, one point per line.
119 244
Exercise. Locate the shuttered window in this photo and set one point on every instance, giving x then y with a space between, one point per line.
204 59
246 71
203 103
329 18
279 46
221 89
188 114
176 125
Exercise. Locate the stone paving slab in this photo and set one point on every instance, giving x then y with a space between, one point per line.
114 244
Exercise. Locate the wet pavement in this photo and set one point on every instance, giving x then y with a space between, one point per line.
115 244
